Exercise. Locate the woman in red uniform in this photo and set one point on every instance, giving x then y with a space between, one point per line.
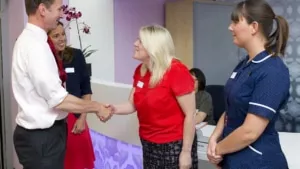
163 96
79 150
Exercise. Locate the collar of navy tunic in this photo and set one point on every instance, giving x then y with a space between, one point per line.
261 57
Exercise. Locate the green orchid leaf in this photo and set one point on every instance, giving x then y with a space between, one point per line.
89 52
84 50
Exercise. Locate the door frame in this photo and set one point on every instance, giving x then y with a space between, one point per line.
6 140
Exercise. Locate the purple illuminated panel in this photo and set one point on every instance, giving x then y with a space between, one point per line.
115 154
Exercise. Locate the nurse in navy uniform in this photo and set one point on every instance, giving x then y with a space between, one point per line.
258 88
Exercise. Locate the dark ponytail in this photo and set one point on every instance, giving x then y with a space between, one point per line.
278 40
283 35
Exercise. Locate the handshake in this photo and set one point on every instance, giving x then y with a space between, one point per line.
104 112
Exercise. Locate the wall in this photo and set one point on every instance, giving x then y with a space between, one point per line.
10 29
129 16
98 14
290 117
208 22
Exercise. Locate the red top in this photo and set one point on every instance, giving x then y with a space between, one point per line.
160 116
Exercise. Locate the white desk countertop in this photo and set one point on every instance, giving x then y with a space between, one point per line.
289 144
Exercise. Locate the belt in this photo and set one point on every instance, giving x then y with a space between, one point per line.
62 121
56 122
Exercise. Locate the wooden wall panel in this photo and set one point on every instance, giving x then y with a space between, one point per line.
179 21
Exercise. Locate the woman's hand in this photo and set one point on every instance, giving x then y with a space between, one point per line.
79 126
185 160
111 107
211 152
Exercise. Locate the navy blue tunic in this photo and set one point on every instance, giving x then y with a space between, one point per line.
78 80
260 87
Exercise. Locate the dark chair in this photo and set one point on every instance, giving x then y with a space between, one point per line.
218 99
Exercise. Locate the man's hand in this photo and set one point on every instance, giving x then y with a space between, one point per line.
79 125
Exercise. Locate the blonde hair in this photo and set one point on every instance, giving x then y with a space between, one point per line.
159 45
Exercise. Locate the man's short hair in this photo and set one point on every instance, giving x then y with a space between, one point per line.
32 5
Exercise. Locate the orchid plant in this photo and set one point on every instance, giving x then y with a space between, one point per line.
71 14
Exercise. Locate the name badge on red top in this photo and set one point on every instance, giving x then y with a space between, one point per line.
140 84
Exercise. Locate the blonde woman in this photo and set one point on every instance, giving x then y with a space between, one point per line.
163 96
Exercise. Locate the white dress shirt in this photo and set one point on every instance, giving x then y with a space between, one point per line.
35 80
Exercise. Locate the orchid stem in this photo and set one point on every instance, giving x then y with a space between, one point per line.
78 34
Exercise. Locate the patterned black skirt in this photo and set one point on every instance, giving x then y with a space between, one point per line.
166 156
